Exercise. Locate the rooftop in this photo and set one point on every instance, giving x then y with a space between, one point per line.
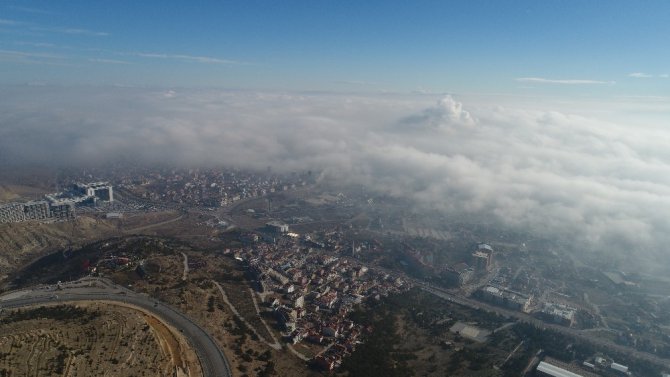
555 371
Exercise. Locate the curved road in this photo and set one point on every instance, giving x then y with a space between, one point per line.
212 360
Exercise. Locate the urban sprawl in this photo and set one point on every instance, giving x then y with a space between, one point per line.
311 280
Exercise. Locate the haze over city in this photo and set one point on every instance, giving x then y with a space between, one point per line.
532 121
550 115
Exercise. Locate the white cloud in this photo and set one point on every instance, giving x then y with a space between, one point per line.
640 75
541 80
108 61
447 114
31 54
14 56
356 82
595 184
192 58
80 32
34 10
33 27
6 22
664 76
35 44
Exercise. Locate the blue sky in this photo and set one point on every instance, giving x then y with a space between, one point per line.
590 48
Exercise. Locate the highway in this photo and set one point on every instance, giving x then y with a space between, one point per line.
212 360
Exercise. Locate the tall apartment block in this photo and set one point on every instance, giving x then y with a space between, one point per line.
58 206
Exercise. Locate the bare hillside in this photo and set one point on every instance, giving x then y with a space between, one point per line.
9 193
92 340
22 242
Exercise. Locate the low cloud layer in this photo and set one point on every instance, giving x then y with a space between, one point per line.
604 185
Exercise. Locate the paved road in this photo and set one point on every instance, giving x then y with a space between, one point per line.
212 360
155 225
523 317
585 335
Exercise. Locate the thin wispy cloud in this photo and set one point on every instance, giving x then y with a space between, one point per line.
30 54
73 31
35 44
6 22
356 82
541 80
14 55
32 10
23 57
190 58
108 61
32 27
641 75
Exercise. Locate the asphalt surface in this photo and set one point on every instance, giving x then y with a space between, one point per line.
212 359
523 317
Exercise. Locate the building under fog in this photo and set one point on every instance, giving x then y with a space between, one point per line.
36 210
58 206
482 258
277 227
97 190
505 297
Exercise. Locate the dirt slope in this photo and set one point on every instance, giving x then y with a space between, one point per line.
22 242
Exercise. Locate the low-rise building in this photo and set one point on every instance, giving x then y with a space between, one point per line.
277 227
459 274
546 369
558 313
12 213
505 297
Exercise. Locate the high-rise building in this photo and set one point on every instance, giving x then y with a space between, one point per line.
482 258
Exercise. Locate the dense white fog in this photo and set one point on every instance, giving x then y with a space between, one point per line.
602 182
